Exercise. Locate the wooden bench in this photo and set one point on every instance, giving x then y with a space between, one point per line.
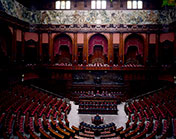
44 134
62 131
57 135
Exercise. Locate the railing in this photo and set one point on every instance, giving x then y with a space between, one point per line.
49 92
148 93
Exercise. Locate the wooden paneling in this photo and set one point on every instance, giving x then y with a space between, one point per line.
85 49
146 45
157 47
40 46
121 50
14 43
50 48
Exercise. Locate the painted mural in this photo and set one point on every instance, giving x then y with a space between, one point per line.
17 10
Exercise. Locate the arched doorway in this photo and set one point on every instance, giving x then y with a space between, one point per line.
134 49
62 49
98 49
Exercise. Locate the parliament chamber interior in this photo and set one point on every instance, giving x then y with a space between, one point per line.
80 69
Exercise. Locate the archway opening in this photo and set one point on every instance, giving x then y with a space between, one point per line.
62 49
98 49
134 49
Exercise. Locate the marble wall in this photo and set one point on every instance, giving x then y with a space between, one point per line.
17 10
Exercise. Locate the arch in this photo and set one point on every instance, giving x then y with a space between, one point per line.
59 40
98 39
134 48
135 40
98 49
62 48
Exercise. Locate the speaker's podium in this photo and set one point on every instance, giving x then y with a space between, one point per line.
97 120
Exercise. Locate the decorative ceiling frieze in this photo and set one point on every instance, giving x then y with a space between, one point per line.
16 14
127 17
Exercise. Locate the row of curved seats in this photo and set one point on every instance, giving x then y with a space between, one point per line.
29 113
98 103
101 107
103 127
90 131
151 116
92 94
98 65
